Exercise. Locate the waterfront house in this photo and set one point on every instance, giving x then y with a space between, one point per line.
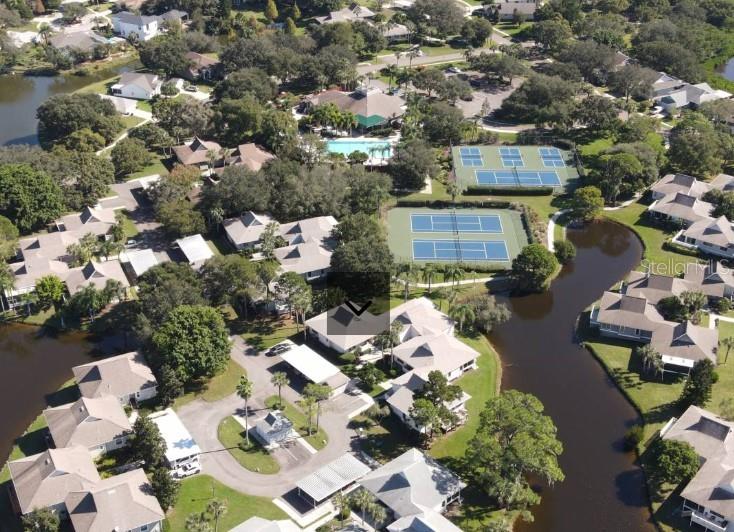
708 498
84 41
129 25
675 183
441 352
44 480
711 236
127 377
420 317
124 502
415 489
653 287
99 424
681 208
137 86
713 279
95 274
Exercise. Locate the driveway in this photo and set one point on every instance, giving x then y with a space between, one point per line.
203 418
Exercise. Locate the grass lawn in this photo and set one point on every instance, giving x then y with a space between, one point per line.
219 387
656 399
266 332
156 167
482 384
653 237
231 434
128 226
131 121
198 491
144 105
317 440
511 28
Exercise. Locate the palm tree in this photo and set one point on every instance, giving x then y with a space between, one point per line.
44 32
428 274
406 274
647 355
341 503
462 313
197 523
216 509
308 404
244 390
362 499
211 156
280 379
727 342
454 272
378 514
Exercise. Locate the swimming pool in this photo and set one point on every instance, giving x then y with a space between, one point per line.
376 149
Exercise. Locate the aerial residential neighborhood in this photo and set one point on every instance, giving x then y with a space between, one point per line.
415 265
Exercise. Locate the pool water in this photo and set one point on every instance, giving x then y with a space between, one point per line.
376 148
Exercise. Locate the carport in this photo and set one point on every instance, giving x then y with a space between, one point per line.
316 368
331 478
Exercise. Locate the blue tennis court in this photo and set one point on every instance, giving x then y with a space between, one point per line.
471 157
460 250
462 223
511 157
523 178
552 157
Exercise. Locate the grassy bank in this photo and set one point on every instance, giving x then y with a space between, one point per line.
318 438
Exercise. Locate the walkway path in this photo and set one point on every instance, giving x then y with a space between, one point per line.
202 419
550 233
145 115
713 318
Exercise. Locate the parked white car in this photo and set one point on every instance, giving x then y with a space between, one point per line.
187 470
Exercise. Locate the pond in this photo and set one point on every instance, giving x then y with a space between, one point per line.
20 96
603 489
727 70
34 363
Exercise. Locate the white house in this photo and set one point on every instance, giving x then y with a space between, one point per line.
127 24
274 429
137 86
128 377
195 249
315 368
181 449
99 424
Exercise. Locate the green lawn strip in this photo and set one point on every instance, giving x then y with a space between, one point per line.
231 434
145 105
652 236
218 387
318 439
128 225
156 167
198 491
656 399
481 384
264 333
511 28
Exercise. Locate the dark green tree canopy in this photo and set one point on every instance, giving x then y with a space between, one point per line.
28 197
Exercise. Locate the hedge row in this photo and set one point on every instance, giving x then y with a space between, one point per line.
677 248
443 204
479 190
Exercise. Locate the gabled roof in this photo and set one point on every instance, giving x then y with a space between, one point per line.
411 484
246 229
371 106
78 40
723 182
148 82
424 522
686 184
712 278
95 274
45 479
197 152
420 317
715 232
684 344
120 502
682 206
119 376
304 258
127 17
195 249
343 329
441 351
628 311
347 14
252 156
258 524
27 273
89 422
655 287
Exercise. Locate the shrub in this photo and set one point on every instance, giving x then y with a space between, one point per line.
483 190
348 357
723 306
634 437
564 250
